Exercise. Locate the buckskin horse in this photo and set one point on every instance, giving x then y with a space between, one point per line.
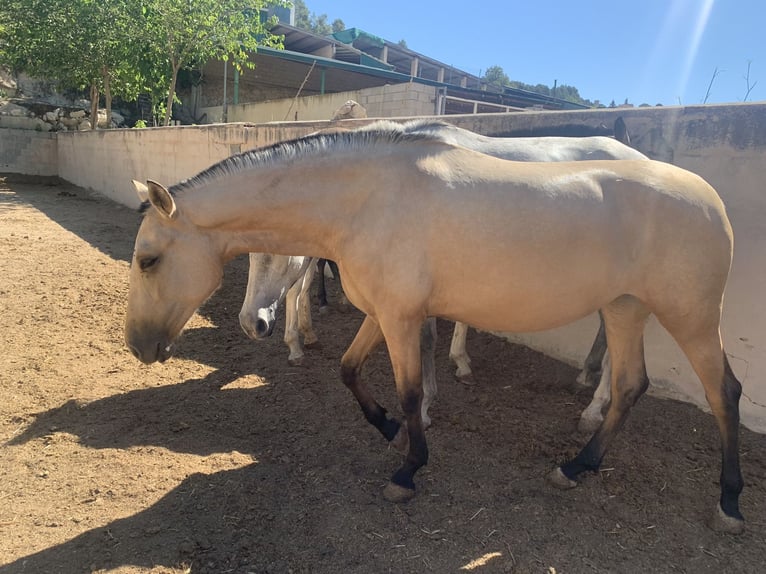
421 228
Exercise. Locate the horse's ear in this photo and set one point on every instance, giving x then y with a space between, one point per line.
141 190
160 198
621 131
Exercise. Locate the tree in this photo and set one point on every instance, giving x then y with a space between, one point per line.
301 15
338 25
318 25
496 76
187 33
126 46
77 43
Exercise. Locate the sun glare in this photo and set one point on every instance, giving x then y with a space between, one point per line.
678 39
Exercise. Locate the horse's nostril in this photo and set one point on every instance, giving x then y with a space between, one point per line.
261 327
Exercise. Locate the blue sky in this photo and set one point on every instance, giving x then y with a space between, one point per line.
649 51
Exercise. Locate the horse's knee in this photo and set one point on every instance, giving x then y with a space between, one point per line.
590 421
349 373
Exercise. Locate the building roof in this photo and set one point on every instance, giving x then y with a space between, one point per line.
354 59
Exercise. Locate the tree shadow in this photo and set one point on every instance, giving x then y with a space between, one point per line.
99 221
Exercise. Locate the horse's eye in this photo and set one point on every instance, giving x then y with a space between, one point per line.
147 262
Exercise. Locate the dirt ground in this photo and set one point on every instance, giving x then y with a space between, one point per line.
227 459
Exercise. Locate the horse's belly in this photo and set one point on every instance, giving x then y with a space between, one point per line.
505 312
543 294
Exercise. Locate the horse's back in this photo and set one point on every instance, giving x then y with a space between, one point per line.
562 239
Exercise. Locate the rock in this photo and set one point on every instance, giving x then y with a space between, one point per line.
69 123
19 122
78 114
42 125
349 110
11 109
84 126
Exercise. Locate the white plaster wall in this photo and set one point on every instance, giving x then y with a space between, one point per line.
28 152
107 160
396 100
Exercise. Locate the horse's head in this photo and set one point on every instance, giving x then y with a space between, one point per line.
269 279
176 266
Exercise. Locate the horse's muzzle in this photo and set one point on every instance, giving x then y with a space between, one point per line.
260 326
150 352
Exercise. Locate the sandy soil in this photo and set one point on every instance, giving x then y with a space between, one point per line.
227 459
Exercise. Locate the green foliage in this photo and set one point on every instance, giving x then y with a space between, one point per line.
140 124
302 15
188 33
127 47
73 42
310 22
495 76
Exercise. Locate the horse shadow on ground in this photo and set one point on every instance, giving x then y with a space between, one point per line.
279 422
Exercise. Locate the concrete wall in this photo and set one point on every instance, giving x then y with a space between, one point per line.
398 100
107 160
724 144
28 152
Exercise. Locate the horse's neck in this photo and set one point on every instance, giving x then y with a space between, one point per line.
297 209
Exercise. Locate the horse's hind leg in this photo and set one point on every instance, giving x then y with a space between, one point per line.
458 354
592 369
625 318
722 391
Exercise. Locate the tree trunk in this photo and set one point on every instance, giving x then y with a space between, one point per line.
94 106
107 96
171 94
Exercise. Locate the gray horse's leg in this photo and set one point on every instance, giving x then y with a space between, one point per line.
458 354
592 369
292 337
336 273
625 318
323 306
305 324
592 417
428 366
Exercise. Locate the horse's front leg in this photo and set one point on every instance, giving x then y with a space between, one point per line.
403 341
367 338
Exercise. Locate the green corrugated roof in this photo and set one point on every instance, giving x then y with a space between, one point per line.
348 36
